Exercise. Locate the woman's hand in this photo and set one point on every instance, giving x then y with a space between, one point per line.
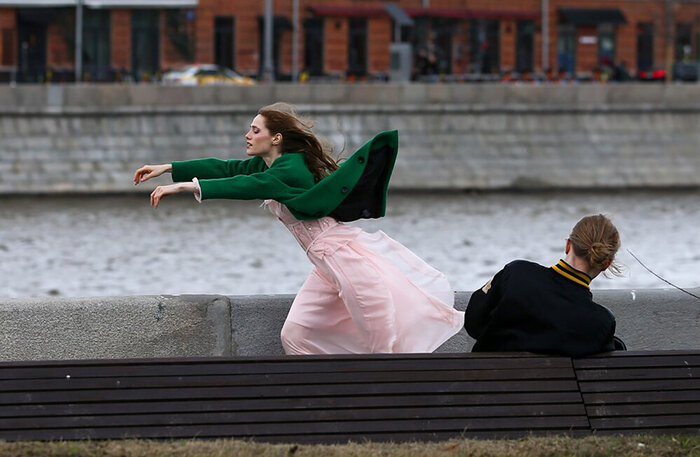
161 192
147 172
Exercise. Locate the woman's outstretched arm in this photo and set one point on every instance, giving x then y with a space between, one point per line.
147 172
161 192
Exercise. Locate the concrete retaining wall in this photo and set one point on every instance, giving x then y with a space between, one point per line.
189 325
84 139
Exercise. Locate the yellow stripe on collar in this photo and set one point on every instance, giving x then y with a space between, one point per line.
573 271
572 274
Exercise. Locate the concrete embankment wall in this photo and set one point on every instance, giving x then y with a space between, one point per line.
84 139
211 325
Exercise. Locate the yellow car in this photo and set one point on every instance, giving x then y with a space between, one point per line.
200 75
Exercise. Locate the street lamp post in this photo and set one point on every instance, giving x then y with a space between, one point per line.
78 40
268 69
545 35
295 40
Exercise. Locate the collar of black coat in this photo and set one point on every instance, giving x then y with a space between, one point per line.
571 273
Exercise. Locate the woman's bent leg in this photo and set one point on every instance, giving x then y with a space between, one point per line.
318 322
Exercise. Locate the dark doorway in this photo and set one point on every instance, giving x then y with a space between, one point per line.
357 47
485 46
224 41
645 46
525 47
96 45
145 52
31 40
313 46
566 48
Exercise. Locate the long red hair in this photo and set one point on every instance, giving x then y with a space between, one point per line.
297 137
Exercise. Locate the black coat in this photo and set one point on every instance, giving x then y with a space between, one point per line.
529 307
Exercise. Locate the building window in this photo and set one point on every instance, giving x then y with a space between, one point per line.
684 43
485 46
645 46
432 45
566 48
224 36
145 39
606 45
357 47
313 46
96 45
524 47
8 44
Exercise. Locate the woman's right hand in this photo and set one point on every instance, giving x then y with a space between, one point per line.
147 172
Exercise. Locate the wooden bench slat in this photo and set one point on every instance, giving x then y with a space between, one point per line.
652 409
641 385
285 391
641 422
396 436
649 431
362 426
303 366
639 373
642 397
248 404
639 361
74 383
525 412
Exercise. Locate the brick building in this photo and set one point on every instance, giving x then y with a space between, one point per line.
139 39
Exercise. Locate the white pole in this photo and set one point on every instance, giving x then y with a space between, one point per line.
295 40
79 41
268 69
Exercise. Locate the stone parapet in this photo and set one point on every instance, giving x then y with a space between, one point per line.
213 325
90 139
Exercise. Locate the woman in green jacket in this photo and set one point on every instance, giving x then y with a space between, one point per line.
366 292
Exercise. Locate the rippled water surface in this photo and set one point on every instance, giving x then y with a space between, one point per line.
88 246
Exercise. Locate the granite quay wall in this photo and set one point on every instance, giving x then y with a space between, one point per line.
211 325
85 139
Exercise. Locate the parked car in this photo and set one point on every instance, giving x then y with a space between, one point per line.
685 71
205 74
681 71
653 74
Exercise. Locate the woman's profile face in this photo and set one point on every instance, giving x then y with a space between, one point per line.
258 140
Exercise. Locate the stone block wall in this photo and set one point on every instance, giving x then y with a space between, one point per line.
90 139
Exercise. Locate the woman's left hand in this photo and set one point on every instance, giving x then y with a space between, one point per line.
161 192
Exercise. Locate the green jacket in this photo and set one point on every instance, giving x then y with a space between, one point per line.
357 189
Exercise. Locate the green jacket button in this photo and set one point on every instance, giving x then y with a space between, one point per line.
344 189
361 159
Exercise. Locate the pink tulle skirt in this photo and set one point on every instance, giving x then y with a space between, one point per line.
367 293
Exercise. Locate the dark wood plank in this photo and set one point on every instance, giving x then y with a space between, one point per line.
177 367
643 422
645 409
678 372
637 360
257 404
649 431
652 386
641 397
285 391
78 383
344 427
318 438
523 412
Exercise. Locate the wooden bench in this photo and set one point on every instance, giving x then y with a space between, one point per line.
324 399
641 392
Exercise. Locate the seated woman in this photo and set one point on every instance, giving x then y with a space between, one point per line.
529 307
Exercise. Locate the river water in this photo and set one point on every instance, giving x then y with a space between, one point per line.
118 245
